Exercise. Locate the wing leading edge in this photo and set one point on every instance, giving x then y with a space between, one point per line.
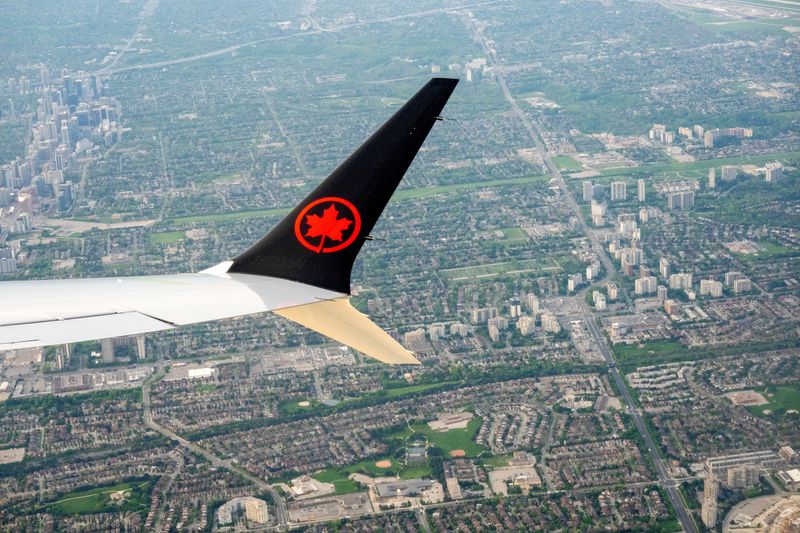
300 270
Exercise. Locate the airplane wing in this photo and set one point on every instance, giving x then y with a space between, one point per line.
299 270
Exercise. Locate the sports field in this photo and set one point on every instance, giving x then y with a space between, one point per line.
134 496
502 268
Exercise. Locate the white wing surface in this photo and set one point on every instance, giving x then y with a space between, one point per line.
40 313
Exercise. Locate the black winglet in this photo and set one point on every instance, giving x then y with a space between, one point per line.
319 240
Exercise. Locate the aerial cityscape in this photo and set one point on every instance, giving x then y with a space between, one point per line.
595 256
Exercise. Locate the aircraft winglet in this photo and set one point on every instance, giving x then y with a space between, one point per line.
319 240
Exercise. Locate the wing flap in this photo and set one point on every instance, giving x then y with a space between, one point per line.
17 336
342 322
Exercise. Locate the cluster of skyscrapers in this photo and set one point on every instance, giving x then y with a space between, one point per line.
73 114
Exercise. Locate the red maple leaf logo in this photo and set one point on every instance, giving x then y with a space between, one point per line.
327 226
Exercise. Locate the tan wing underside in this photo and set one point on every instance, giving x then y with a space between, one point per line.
342 322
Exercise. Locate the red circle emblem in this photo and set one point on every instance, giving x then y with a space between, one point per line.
327 225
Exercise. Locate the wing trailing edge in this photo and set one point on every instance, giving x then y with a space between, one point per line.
342 322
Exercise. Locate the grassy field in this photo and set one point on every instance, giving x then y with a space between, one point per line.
789 5
403 194
781 399
343 484
659 169
166 237
293 407
227 217
411 389
497 269
424 192
745 25
99 499
565 162
497 461
512 236
767 250
632 355
454 439
397 469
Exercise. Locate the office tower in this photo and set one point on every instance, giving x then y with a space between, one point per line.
674 201
774 171
682 280
483 314
728 173
661 293
599 300
592 271
532 301
574 281
732 276
743 476
107 350
8 264
411 338
632 256
742 285
618 191
787 453
256 510
664 268
658 132
626 227
437 331
671 307
526 325
613 291
494 332
647 285
708 511
64 195
500 322
598 208
680 200
641 190
710 287
588 191
598 213
550 323
141 352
